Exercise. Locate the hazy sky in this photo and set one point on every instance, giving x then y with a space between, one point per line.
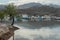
17 2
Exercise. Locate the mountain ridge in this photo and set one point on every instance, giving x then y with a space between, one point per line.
29 5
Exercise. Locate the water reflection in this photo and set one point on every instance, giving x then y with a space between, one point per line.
43 33
38 25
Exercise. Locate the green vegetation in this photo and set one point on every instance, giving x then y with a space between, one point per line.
10 10
1 15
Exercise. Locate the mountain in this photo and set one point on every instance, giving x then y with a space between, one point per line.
2 7
40 9
32 4
53 5
37 8
25 6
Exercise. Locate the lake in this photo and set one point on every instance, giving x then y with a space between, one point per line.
32 31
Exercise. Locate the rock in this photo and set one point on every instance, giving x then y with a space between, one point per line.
7 31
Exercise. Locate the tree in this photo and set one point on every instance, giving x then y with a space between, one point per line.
2 15
11 11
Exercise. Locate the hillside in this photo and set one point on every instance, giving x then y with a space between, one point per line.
28 5
37 8
42 10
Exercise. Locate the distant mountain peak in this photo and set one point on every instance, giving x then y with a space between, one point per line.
28 5
31 5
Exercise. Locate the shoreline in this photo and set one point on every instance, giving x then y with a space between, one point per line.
5 34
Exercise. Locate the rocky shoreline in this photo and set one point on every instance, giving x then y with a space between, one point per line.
7 31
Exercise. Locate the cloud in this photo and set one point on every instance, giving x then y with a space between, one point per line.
20 2
41 1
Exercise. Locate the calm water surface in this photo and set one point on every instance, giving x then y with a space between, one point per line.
32 32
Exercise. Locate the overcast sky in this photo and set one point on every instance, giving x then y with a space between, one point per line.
19 2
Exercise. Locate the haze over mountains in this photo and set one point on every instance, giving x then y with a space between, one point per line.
2 7
32 4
